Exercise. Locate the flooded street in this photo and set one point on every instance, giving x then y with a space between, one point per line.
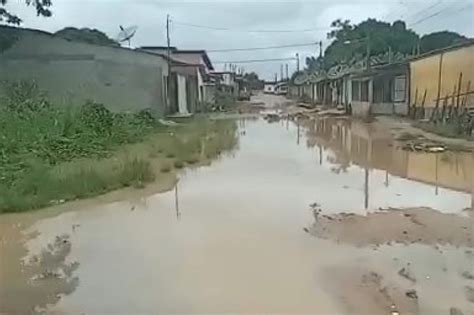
232 237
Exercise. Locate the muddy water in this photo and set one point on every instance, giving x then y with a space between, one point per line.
229 238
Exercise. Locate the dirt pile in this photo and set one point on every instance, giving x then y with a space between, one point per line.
407 226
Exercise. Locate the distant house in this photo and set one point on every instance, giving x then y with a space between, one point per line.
227 81
281 88
74 72
392 84
380 90
196 62
269 88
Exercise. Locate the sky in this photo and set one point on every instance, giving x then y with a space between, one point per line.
224 24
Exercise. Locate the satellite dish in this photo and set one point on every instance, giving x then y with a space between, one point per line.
126 34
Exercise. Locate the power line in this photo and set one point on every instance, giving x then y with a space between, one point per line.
438 13
424 10
216 28
253 60
262 48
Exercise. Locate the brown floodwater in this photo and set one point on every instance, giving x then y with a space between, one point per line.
229 237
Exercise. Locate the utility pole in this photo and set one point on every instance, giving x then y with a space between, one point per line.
286 66
281 72
168 52
368 51
320 49
297 62
276 77
389 54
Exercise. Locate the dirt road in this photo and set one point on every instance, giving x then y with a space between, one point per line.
259 231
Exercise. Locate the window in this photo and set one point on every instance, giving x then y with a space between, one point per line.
400 88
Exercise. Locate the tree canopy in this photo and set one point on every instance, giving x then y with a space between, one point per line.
41 7
90 36
350 40
439 40
253 81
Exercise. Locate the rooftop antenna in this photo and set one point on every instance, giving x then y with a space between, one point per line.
126 34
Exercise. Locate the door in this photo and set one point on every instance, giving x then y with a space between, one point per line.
182 99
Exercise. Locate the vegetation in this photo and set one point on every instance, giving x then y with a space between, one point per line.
86 35
224 99
41 7
449 130
351 42
50 155
252 81
438 40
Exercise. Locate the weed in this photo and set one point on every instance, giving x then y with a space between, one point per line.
178 164
192 160
165 168
135 172
49 155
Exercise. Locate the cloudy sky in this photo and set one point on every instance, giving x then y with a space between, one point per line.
224 24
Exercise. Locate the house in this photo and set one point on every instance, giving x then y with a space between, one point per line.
445 75
191 66
380 90
72 73
281 88
228 82
269 88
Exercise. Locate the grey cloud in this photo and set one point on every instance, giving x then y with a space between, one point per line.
150 16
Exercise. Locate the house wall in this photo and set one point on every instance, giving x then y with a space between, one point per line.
209 93
269 88
425 73
307 91
363 108
72 73
200 83
192 88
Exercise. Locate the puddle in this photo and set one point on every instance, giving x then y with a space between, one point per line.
229 238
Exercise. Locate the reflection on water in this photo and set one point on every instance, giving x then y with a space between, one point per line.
228 237
354 144
30 284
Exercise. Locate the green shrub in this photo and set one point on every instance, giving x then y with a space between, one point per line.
178 164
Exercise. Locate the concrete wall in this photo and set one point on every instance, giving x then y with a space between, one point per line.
424 74
209 93
360 108
72 73
363 108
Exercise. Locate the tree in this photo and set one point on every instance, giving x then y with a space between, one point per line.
439 40
90 36
314 64
350 41
253 81
41 6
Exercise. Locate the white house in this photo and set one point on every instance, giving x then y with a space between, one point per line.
269 88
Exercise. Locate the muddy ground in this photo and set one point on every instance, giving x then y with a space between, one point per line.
308 215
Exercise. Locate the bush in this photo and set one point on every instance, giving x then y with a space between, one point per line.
178 164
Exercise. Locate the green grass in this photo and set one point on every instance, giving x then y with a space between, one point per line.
50 155
178 164
445 130
43 186
165 168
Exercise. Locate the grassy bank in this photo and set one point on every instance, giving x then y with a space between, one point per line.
445 130
50 155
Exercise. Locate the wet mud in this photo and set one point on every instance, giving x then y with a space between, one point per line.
229 237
